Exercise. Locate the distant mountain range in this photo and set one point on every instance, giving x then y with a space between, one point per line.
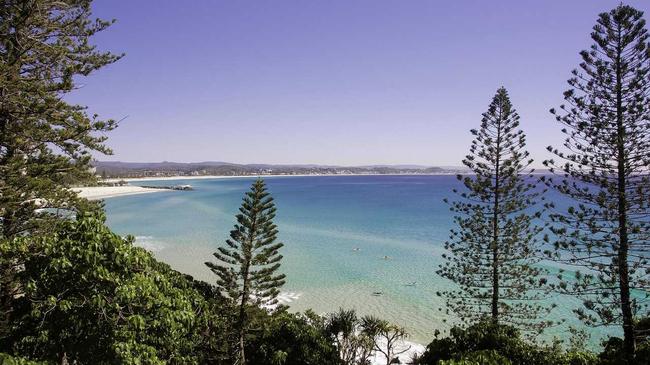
117 169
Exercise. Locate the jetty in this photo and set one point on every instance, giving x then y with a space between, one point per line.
170 187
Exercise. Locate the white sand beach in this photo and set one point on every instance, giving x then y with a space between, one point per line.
167 178
407 351
104 192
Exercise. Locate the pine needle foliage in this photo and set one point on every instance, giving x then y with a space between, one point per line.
46 142
604 168
247 266
493 253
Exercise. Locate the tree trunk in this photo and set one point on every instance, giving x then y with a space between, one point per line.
242 349
64 359
245 292
495 228
629 345
241 355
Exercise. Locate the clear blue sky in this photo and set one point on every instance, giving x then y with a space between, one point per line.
330 82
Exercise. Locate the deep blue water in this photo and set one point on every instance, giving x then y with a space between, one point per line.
321 221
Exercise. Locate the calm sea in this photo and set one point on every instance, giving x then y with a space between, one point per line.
346 239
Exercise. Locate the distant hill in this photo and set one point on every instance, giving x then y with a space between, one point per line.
117 169
413 167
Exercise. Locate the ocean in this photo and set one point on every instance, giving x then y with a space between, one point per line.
345 238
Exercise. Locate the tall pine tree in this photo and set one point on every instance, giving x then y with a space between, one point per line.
605 168
247 265
45 142
492 255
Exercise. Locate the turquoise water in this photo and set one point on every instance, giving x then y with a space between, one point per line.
321 221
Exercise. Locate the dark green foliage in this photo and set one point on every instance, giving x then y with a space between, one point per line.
293 339
247 265
493 343
605 168
91 297
213 324
493 252
483 357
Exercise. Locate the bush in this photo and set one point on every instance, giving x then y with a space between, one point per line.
93 297
293 339
612 353
486 343
484 357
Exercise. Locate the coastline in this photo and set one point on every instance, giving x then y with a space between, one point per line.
105 192
206 177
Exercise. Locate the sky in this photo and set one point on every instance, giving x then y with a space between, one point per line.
345 82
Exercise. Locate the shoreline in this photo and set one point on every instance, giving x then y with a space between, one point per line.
105 192
206 177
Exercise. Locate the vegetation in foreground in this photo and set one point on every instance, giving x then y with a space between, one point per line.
91 297
74 292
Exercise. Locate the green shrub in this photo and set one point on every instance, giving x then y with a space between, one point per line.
293 339
92 295
612 353
483 357
486 343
